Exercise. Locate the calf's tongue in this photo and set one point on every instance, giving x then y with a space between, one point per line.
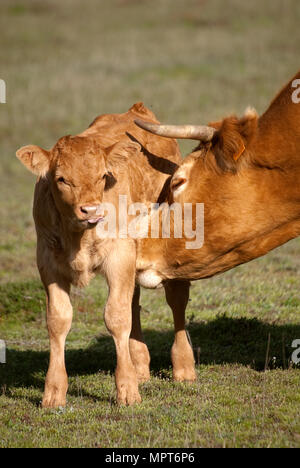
95 220
98 216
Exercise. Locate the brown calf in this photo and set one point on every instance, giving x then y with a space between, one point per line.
112 157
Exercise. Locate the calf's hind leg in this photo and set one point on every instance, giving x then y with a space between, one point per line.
177 296
138 349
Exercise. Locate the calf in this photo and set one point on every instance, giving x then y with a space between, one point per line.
79 173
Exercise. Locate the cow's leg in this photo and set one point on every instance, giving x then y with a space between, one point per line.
138 349
120 274
59 319
177 295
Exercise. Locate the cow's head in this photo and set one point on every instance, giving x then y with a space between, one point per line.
222 151
78 171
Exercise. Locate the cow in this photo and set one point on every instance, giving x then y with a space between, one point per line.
246 171
113 156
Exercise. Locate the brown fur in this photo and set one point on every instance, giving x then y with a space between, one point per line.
251 202
111 157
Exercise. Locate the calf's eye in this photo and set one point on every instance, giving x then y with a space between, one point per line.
61 180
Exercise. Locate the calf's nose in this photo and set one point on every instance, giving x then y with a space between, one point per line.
89 210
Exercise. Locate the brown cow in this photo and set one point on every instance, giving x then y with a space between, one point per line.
246 172
112 157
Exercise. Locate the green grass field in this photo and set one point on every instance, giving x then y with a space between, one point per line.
191 62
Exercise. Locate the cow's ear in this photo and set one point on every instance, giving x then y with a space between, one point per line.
36 159
248 124
232 139
119 153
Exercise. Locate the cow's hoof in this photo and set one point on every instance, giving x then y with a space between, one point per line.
183 361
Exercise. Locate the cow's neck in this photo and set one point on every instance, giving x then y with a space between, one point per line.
262 213
277 140
249 225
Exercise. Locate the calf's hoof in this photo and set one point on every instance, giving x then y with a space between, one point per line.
128 394
184 375
54 399
143 373
141 360
56 387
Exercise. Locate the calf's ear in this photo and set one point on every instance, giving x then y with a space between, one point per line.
118 154
36 159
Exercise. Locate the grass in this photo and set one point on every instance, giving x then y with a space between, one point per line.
191 61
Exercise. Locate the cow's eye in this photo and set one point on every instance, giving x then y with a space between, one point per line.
176 183
61 180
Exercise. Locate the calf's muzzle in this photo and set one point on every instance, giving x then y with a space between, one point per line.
91 213
89 210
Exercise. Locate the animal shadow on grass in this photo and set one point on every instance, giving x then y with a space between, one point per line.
249 342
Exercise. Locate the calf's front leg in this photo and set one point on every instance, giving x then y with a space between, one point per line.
120 274
59 320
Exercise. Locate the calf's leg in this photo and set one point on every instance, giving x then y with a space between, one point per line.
177 295
138 349
120 275
59 319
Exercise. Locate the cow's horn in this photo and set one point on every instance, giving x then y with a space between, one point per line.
192 132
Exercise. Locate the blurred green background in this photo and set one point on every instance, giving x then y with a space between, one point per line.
190 61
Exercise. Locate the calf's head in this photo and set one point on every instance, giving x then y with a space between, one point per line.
78 171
